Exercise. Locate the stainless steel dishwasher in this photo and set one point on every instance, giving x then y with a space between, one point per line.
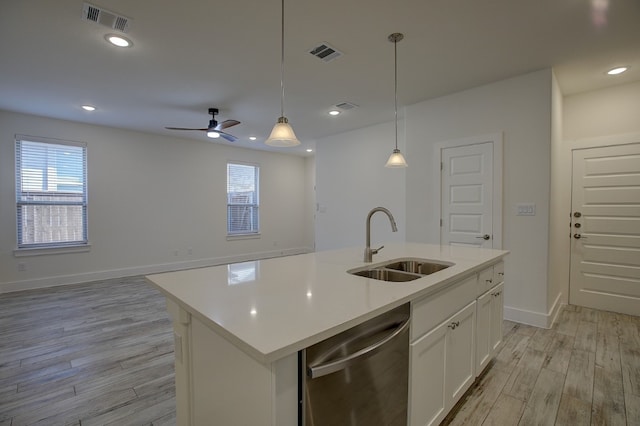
358 377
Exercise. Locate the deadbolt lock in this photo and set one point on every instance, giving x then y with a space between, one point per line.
577 214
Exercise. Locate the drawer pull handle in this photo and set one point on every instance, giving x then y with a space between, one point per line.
489 281
454 324
501 274
497 293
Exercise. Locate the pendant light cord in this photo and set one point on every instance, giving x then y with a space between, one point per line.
395 88
282 65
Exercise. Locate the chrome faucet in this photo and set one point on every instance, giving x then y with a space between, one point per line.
368 251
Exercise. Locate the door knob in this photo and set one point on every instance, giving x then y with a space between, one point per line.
578 236
485 237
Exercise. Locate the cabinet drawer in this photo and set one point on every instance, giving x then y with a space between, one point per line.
498 273
485 280
431 310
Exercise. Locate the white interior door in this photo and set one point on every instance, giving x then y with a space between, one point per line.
605 229
467 195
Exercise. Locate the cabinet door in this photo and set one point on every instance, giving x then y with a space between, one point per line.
497 315
498 273
460 354
485 280
427 378
484 322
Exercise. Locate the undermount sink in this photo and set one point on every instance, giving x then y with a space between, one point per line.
386 275
416 266
400 270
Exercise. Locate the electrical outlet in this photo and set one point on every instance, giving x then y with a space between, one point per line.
526 209
22 266
189 251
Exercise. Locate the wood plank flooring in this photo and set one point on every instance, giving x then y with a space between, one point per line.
101 353
583 371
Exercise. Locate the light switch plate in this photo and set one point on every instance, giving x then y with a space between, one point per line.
526 209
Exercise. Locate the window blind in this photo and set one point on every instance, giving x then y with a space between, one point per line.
242 199
51 193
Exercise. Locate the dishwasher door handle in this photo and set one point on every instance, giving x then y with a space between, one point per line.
342 363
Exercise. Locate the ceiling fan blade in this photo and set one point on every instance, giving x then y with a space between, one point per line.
226 124
228 137
184 128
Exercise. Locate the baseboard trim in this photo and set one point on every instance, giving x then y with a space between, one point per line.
13 286
555 310
536 319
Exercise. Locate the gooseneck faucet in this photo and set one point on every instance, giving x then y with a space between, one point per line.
368 251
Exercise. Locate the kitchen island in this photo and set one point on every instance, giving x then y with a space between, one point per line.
239 327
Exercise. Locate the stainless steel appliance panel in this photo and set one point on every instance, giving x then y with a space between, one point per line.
359 377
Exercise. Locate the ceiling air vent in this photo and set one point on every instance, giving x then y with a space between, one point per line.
326 52
104 17
346 106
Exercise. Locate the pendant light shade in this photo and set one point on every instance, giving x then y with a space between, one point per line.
396 159
282 134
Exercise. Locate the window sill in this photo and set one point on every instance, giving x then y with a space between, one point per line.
234 237
41 251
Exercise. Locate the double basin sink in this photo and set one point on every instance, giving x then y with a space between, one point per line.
400 270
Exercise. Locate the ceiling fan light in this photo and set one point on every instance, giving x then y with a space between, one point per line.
282 135
396 160
213 134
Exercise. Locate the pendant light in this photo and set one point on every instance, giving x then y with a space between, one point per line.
396 159
282 134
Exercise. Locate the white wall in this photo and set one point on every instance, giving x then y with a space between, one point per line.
351 180
310 201
520 108
559 209
596 118
602 113
150 196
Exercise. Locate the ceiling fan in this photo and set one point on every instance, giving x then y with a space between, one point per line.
215 129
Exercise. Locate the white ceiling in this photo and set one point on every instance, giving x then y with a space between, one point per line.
195 54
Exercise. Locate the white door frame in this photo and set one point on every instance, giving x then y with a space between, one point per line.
579 144
496 140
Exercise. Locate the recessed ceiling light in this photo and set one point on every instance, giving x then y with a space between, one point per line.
88 107
252 138
617 71
334 112
119 41
309 150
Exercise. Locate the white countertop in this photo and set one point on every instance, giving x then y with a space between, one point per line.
272 308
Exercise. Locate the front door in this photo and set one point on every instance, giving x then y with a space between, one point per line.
605 229
467 195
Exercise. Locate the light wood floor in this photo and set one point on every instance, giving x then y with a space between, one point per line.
101 353
583 371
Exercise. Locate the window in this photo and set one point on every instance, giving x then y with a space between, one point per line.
51 193
242 199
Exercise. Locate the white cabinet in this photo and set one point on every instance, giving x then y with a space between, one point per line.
497 315
484 317
460 362
490 309
427 379
442 366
